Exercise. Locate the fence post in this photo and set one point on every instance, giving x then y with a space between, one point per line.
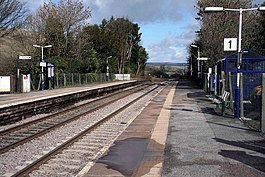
64 80
262 121
231 105
206 83
241 96
79 78
39 83
222 89
72 79
57 80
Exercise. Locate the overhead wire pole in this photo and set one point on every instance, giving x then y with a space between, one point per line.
238 99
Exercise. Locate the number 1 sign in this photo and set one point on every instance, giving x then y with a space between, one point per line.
230 44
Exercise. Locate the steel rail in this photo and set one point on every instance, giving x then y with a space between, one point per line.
28 169
60 124
12 129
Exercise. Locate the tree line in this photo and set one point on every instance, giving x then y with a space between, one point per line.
217 26
77 47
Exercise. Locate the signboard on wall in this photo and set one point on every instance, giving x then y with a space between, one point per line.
5 82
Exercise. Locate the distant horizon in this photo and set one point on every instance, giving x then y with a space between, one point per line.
168 62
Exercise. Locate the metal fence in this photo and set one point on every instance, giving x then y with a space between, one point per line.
60 81
252 95
262 122
75 79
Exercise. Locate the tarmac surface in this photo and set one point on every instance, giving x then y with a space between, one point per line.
201 143
178 134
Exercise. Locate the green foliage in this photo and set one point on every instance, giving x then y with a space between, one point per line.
74 66
92 76
90 62
160 74
139 59
54 35
119 38
60 63
81 48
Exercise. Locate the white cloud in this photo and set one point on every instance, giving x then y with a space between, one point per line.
139 11
258 1
172 48
32 5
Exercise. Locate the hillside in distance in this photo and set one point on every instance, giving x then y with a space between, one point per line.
11 47
165 64
169 68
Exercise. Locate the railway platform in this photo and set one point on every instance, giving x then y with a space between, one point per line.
7 100
15 107
178 134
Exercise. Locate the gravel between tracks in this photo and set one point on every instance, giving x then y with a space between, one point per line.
17 158
39 116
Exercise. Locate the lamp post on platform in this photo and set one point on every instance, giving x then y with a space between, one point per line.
42 60
198 56
107 73
239 50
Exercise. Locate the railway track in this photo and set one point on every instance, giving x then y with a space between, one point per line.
82 148
23 133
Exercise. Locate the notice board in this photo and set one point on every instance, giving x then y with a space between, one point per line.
5 82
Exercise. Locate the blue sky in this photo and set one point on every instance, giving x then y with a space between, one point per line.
167 26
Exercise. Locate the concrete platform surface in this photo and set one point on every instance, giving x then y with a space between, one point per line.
179 135
21 98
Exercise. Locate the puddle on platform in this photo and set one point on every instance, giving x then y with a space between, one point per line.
126 155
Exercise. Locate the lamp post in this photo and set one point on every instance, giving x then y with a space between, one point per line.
42 60
107 73
198 56
191 68
239 50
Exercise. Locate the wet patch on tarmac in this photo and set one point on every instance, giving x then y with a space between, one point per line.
153 156
126 156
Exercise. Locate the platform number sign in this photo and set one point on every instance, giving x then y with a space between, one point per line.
230 44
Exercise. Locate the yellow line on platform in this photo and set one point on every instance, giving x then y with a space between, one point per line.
160 131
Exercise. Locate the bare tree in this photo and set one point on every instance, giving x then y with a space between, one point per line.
11 14
59 24
217 26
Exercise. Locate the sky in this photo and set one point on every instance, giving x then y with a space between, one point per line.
167 26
